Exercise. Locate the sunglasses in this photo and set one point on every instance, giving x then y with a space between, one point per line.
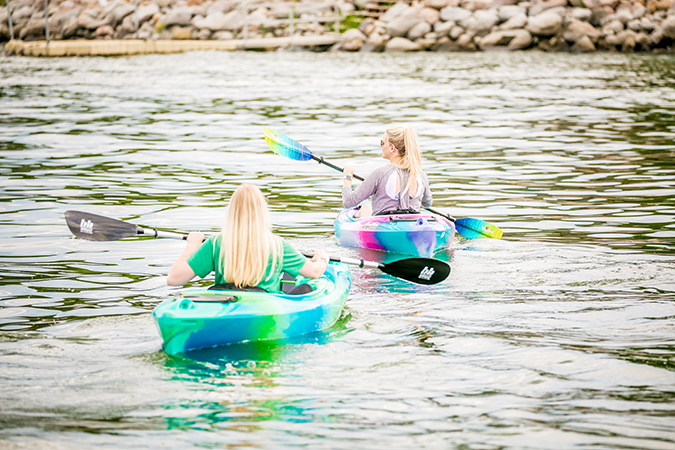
381 143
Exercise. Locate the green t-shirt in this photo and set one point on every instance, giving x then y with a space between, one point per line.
206 260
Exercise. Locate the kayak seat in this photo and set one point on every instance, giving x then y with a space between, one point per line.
288 285
232 287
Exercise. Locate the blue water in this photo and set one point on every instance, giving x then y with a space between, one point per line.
560 335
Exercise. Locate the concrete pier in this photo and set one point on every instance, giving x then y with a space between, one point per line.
138 47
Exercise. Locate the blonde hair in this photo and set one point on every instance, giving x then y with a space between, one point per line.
247 239
405 141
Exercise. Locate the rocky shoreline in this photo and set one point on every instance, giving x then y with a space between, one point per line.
426 25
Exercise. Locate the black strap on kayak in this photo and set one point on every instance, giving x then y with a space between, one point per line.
397 212
232 287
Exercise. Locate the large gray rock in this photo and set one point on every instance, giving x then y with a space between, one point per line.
429 15
419 30
480 23
223 6
438 4
33 29
57 20
400 26
454 14
395 11
583 14
613 27
515 22
215 21
399 44
510 11
583 45
90 20
179 16
121 10
511 39
545 24
146 12
352 40
576 29
443 28
668 27
543 6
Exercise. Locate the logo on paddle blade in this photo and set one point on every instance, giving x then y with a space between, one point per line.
426 273
87 226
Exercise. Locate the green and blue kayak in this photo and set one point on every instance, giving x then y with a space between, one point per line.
202 318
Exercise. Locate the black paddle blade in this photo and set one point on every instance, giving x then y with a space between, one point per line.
93 227
418 270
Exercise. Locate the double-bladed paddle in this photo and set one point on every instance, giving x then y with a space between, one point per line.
93 227
283 145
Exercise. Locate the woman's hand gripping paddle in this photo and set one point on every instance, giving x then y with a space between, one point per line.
283 145
93 227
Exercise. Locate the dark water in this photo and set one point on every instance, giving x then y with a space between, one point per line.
561 335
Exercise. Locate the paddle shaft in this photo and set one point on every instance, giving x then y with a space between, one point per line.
320 160
94 227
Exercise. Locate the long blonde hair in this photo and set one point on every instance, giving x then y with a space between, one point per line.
247 239
405 141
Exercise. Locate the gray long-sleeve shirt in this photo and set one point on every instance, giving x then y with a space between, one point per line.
381 185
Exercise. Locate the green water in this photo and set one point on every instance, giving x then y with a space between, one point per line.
560 335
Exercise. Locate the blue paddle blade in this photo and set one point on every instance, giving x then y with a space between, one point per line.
285 146
475 228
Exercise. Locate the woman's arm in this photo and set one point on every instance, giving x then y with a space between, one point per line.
366 189
427 198
181 272
316 266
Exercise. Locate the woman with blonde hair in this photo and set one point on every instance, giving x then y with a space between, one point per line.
245 254
399 187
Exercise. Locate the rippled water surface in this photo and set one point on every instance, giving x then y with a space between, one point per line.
560 335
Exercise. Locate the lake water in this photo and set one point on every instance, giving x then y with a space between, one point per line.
559 336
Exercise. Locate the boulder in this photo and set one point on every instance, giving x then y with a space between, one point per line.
515 22
634 25
400 26
454 14
612 27
510 11
466 43
475 5
146 12
400 44
443 28
576 29
444 44
418 31
583 14
429 15
179 16
624 15
89 19
121 10
455 32
483 22
583 45
104 32
646 24
33 29
511 39
223 6
539 8
395 11
181 33
545 24
222 36
215 21
668 27
352 40
437 4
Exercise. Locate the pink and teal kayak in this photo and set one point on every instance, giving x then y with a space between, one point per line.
412 234
202 318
